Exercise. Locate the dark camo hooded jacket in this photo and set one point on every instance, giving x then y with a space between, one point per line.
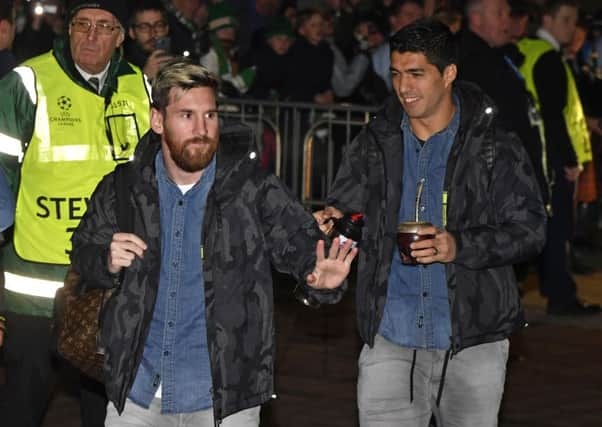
494 212
250 221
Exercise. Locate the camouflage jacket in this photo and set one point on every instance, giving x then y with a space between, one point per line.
494 212
250 221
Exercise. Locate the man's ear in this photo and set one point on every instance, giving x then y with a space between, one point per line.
449 74
475 19
5 34
131 33
120 38
4 26
156 121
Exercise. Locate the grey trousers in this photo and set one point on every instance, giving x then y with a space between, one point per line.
136 416
471 394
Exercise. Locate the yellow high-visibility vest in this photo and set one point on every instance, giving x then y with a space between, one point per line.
77 139
574 117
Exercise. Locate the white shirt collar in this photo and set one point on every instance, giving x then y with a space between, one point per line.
102 76
545 35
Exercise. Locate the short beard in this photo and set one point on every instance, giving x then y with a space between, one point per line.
188 161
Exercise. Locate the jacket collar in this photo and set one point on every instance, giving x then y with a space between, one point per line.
236 143
118 67
475 107
545 35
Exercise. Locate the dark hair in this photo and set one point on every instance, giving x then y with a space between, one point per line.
305 15
550 7
429 37
143 6
396 6
6 10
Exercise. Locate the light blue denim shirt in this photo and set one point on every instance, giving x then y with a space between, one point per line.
175 352
417 309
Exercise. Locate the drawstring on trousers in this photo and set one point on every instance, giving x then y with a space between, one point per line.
412 376
448 356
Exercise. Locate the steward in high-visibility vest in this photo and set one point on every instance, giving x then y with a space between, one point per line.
573 114
58 138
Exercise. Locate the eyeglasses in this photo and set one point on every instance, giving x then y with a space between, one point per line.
157 27
102 27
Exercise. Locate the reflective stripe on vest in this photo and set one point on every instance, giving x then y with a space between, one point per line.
76 141
31 286
10 146
574 118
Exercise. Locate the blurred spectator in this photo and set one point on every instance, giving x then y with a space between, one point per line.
187 19
148 23
489 60
523 19
450 17
595 48
370 35
44 22
343 21
254 18
223 56
289 10
551 82
495 70
346 76
271 61
311 62
271 73
7 35
401 13
404 12
587 84
587 193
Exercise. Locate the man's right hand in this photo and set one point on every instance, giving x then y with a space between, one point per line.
154 62
122 251
325 216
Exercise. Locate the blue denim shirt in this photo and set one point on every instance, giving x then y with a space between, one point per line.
175 352
416 312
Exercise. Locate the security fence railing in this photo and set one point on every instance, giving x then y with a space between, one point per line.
301 143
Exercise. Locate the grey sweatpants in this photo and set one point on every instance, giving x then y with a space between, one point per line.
471 394
137 416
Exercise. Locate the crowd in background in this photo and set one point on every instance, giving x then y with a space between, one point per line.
332 51
320 51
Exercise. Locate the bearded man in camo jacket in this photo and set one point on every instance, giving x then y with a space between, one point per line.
188 330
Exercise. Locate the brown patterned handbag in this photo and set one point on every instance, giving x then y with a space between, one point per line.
78 332
78 314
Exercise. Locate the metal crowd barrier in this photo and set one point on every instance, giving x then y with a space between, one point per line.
301 143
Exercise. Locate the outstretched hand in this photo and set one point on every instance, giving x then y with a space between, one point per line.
331 271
